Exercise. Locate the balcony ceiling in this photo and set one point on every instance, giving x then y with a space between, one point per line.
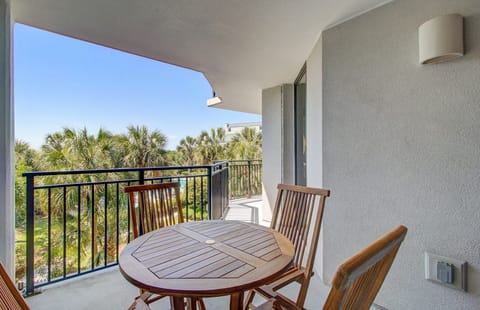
241 46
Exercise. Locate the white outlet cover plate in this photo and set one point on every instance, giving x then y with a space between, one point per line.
460 271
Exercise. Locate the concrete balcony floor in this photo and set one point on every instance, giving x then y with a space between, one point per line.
108 289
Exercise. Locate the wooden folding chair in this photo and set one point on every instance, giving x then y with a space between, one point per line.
10 297
358 280
297 210
159 206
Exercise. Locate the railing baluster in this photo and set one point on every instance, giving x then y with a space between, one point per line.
79 228
186 199
194 198
49 232
105 225
64 232
117 204
249 182
201 197
93 226
128 217
209 185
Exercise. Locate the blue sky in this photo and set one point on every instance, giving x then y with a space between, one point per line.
62 82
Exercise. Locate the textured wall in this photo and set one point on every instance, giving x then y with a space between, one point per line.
402 145
7 201
278 147
271 147
314 131
288 138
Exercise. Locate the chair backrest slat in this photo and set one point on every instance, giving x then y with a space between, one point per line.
10 297
293 214
358 280
159 206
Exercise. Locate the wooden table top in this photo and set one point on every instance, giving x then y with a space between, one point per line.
209 258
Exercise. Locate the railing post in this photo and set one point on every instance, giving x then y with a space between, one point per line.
210 195
30 255
141 177
249 179
226 186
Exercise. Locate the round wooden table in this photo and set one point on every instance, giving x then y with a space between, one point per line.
204 259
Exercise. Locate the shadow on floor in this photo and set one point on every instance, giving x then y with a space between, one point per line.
245 210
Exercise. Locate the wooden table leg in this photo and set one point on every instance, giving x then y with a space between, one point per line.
236 301
178 303
192 303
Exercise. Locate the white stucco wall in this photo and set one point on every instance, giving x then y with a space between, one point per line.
7 202
288 134
277 143
401 145
314 133
271 147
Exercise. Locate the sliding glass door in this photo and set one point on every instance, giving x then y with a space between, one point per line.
301 127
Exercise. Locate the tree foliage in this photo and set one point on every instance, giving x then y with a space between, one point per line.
84 209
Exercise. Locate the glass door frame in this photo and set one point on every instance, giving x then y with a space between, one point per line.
300 112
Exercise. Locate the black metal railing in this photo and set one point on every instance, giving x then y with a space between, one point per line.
245 178
78 221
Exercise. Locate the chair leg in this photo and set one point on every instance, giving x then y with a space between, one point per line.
194 303
140 300
191 303
201 304
249 299
302 294
172 303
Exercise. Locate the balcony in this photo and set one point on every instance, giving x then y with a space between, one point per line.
78 222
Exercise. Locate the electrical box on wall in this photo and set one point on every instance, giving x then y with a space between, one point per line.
446 271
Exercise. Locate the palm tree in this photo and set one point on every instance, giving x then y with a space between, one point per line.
211 146
186 151
144 148
73 150
25 160
246 145
78 150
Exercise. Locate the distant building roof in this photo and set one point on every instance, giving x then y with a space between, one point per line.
232 129
243 125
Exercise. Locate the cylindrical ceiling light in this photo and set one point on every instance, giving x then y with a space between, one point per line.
441 39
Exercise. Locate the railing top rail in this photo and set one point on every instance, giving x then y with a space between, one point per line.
239 160
103 182
115 170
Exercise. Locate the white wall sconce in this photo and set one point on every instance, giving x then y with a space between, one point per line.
441 39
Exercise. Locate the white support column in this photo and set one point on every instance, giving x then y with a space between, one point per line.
7 173
315 134
272 134
278 143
